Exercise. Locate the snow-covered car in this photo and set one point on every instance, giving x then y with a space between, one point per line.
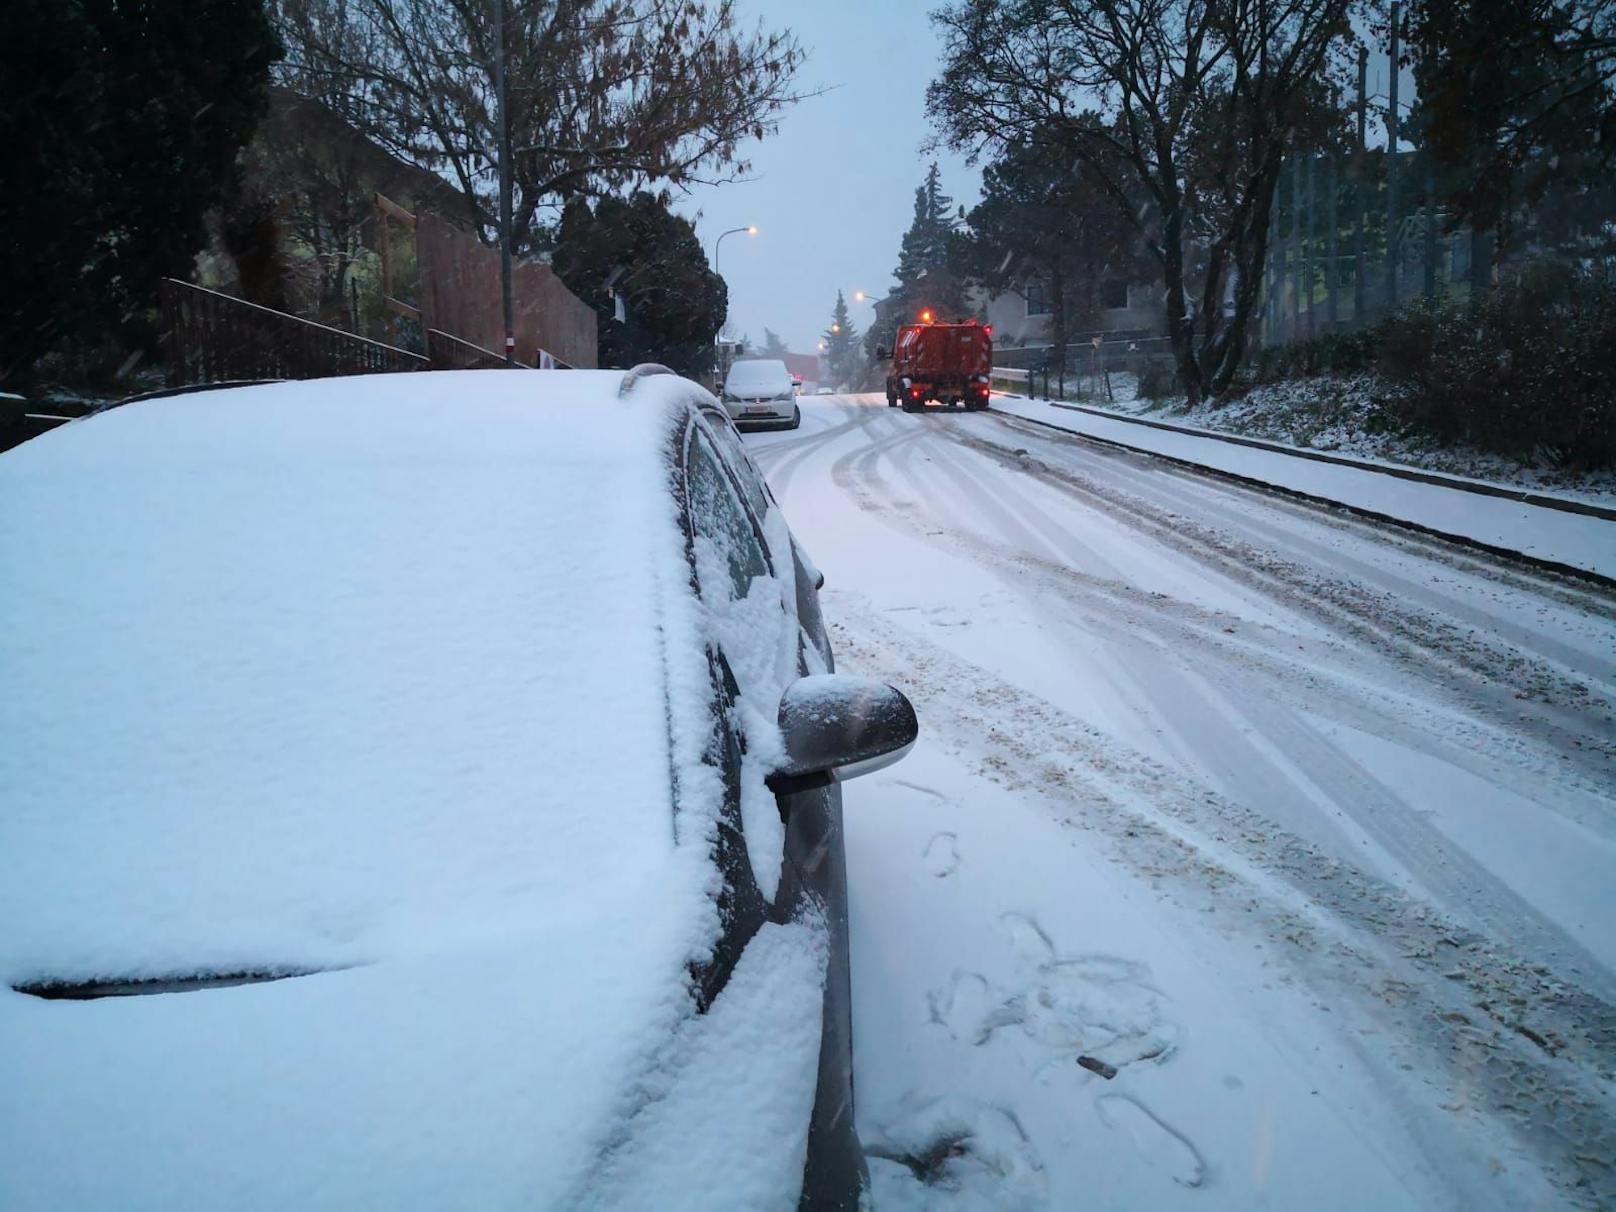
825 391
421 791
758 393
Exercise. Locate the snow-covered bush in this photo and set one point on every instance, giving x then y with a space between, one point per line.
1527 370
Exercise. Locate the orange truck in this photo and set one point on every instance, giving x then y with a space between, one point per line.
949 363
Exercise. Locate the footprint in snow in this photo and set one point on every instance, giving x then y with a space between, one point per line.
952 1153
964 1006
1099 1006
941 855
1159 1145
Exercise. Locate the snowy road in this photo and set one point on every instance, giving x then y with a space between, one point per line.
1305 826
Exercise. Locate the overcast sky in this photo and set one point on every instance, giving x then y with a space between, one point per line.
833 192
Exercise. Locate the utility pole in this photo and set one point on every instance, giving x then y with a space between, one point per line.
1391 168
1430 221
1310 223
1270 309
1294 261
1360 190
1332 263
503 136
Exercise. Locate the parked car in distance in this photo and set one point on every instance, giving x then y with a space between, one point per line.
758 393
424 789
825 391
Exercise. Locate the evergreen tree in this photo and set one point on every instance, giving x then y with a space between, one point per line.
773 346
842 346
674 302
121 125
931 266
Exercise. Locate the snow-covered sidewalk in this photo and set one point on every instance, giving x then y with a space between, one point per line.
1557 537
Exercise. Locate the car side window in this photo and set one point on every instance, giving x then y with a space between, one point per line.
717 514
757 496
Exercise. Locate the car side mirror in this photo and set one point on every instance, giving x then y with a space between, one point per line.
882 353
837 727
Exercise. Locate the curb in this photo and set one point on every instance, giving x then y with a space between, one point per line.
1524 496
1509 553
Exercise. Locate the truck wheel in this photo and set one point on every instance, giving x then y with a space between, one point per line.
892 400
912 406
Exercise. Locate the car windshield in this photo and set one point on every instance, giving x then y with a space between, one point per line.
758 376
436 436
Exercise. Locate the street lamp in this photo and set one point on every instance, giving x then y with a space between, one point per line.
751 230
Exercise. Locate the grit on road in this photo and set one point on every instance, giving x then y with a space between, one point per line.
1302 827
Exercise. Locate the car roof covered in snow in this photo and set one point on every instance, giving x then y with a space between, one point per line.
364 677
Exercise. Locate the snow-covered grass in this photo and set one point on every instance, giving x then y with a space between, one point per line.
1347 415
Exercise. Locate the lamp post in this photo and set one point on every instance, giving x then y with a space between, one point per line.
751 230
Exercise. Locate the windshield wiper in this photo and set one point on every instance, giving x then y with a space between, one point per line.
85 991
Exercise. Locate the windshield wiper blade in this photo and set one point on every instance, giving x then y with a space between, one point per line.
85 991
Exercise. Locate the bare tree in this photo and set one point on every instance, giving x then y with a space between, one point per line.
1182 110
602 93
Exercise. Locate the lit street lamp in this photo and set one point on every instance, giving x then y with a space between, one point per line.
751 230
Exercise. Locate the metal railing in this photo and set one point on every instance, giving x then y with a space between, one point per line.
445 351
215 338
1114 369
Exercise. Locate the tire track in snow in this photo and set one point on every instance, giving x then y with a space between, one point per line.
1451 874
1202 499
1509 688
1182 627
780 459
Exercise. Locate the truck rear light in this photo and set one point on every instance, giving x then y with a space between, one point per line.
915 392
